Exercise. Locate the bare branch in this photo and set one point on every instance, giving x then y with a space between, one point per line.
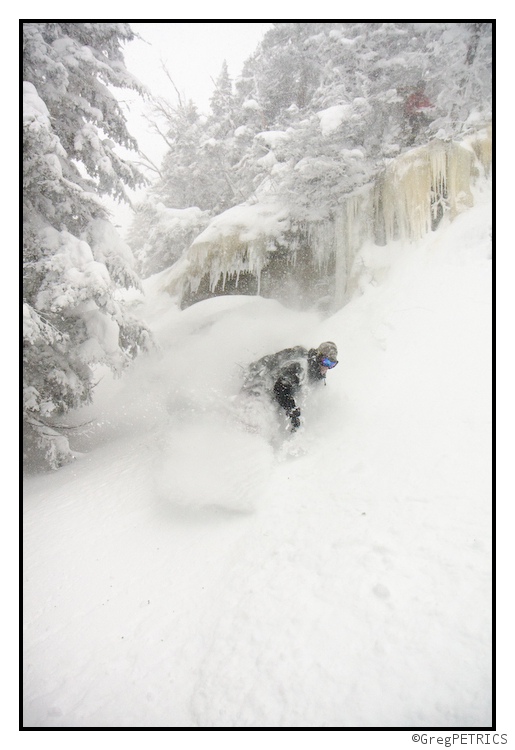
167 74
155 126
71 427
148 163
40 422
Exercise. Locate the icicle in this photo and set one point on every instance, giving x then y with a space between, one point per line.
482 145
458 179
438 162
406 194
341 265
352 227
397 206
414 180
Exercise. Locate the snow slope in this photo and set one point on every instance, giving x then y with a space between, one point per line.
184 573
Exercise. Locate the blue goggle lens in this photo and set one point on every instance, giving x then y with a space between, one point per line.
326 362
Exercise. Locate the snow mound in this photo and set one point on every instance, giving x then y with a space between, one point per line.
186 573
208 463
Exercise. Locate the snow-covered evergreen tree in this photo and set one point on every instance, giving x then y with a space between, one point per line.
197 178
319 111
158 235
222 100
360 76
75 264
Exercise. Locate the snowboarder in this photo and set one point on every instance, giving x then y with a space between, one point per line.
283 375
414 108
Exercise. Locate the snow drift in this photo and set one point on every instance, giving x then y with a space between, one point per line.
183 574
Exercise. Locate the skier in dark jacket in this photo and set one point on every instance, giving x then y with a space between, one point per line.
283 375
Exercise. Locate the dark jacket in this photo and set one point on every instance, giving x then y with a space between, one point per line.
283 375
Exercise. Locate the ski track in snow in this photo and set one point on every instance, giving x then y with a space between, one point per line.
186 573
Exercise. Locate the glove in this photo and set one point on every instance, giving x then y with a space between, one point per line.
295 419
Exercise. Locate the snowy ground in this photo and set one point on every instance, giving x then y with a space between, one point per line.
184 573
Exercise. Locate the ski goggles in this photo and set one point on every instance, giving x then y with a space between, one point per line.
326 362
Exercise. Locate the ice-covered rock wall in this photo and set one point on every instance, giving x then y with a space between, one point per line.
238 241
407 200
